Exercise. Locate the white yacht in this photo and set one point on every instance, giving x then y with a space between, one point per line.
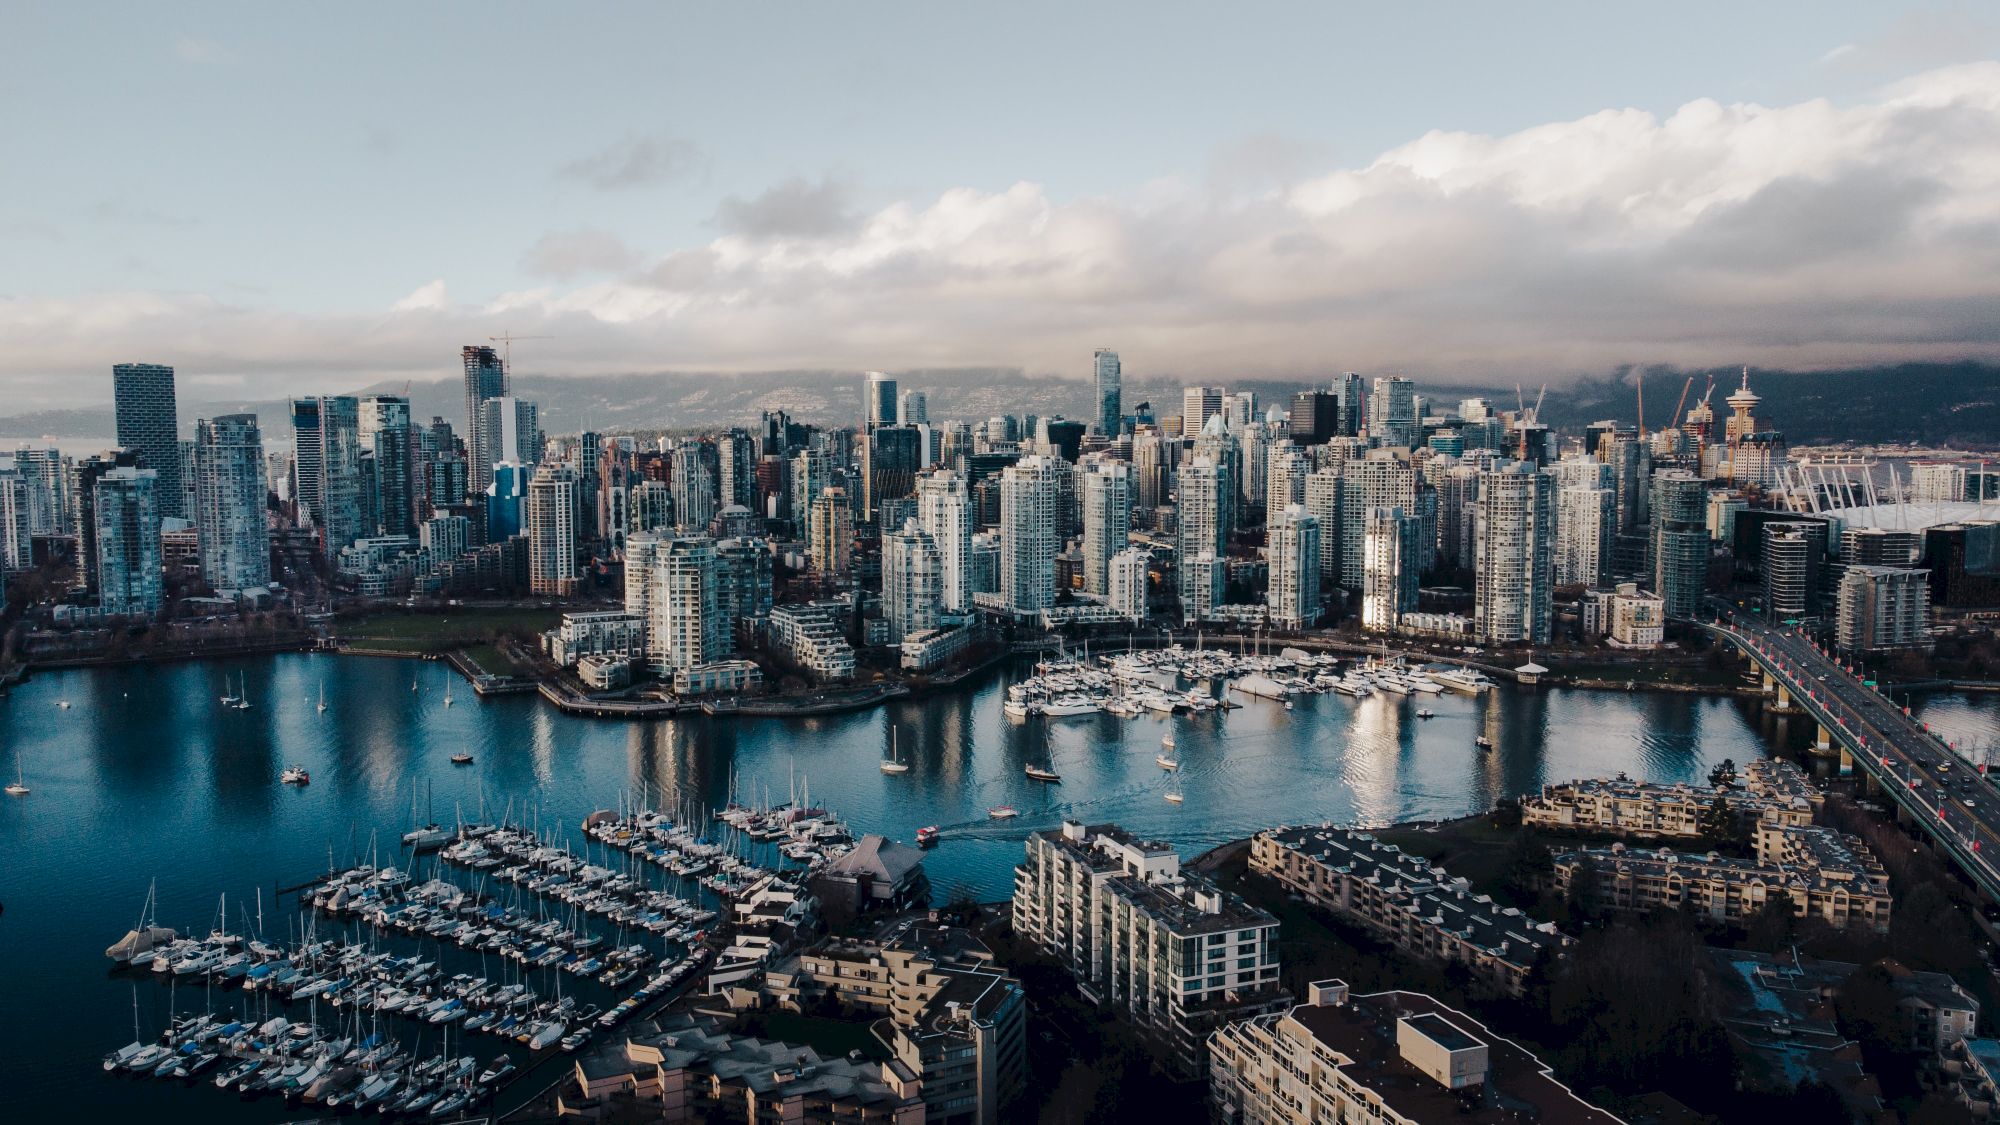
894 763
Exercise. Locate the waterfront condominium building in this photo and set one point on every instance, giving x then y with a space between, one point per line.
1126 593
16 538
1585 521
1883 609
126 515
1793 555
386 434
1513 602
1198 404
1110 394
47 481
1381 478
684 628
1680 541
1388 580
1174 953
878 400
1287 468
144 398
232 537
1203 514
1391 1058
485 378
1107 520
944 511
1029 532
552 530
1323 504
1293 591
82 490
327 435
912 582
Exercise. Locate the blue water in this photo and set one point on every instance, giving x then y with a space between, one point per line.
147 778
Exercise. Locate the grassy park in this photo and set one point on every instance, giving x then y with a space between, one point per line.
420 633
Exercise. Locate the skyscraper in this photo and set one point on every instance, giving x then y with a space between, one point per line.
736 454
485 377
1383 478
1293 592
144 397
1028 533
1127 593
1585 519
16 538
830 527
944 511
230 531
1352 405
1388 580
1680 541
386 433
1203 512
1285 478
1107 520
1323 504
1392 411
327 433
913 409
878 400
1513 601
912 581
127 519
552 512
1315 417
694 487
686 629
890 458
510 430
1110 393
1197 404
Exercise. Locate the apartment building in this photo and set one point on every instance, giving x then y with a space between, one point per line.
1391 1058
809 635
947 1013
1174 953
1419 908
1774 791
1822 873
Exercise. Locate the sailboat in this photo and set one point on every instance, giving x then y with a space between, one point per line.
20 786
229 696
894 763
243 694
1042 773
1174 794
1166 757
447 693
322 696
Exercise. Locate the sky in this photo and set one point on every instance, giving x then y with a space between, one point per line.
282 198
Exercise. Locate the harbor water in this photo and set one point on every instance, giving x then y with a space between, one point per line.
146 779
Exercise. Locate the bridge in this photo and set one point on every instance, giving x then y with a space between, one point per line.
1918 771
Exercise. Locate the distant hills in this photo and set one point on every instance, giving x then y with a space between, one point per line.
1939 404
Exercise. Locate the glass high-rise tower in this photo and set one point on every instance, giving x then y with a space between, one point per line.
1110 393
144 395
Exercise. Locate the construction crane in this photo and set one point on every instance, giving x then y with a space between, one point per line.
506 342
1539 396
1674 419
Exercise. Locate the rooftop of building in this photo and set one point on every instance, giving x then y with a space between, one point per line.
766 1066
880 858
1518 1085
1189 905
1427 891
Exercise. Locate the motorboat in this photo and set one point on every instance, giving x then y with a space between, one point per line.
462 758
295 775
1040 773
927 836
1003 812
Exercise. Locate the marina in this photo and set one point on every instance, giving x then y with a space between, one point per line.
145 779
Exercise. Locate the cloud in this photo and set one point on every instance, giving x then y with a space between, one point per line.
636 161
795 208
1802 235
565 254
202 52
424 298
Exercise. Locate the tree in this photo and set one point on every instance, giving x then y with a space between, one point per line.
1773 927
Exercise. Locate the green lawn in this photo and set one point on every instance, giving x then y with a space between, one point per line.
438 632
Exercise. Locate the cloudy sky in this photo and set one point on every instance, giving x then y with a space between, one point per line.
281 197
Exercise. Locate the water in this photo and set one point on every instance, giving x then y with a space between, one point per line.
146 777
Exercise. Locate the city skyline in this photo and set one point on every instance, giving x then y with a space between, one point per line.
1637 214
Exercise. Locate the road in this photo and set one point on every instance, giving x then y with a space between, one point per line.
1944 794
